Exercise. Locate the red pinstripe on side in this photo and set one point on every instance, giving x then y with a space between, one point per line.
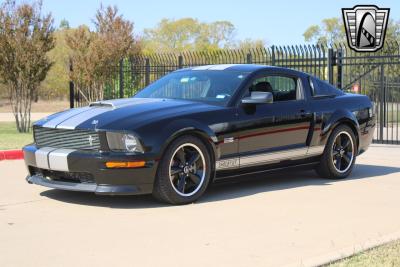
276 131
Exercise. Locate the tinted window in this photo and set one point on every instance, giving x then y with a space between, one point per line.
282 88
322 88
212 86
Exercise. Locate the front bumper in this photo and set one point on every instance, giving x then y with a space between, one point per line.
85 171
85 187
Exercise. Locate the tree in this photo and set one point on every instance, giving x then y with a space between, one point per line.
64 24
248 44
172 35
393 31
25 38
188 34
56 83
330 31
95 52
215 35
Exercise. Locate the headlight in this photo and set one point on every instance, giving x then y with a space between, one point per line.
124 142
131 143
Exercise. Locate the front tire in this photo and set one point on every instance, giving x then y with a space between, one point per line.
340 153
184 171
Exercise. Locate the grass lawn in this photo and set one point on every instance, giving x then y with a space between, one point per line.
41 106
10 138
385 255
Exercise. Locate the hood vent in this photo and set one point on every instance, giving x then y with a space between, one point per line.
102 104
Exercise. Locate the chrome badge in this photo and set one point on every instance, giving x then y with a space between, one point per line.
95 123
91 139
365 27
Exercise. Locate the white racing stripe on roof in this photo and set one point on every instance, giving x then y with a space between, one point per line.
206 67
221 66
214 67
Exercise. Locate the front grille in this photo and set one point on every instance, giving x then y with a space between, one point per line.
64 138
71 177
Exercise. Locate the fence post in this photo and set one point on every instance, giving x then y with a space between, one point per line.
382 103
249 59
339 82
147 71
121 78
71 88
331 63
385 107
180 61
273 55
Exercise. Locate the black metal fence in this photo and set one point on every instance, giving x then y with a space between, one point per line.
374 74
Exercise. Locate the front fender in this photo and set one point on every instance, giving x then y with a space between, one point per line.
163 136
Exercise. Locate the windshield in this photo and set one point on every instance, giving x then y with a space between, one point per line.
212 86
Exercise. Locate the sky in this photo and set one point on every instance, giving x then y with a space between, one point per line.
278 22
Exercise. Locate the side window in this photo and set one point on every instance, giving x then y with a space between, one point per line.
312 86
283 88
322 88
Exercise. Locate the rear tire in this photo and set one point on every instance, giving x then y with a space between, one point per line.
339 155
183 172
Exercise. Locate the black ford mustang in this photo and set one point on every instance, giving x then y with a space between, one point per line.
197 125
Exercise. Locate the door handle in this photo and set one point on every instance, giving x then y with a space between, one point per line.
304 113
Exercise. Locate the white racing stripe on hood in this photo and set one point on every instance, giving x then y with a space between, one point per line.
73 122
72 118
123 102
64 116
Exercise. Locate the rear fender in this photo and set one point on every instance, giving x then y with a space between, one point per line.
341 116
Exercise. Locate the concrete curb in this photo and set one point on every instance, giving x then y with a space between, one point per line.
11 154
343 253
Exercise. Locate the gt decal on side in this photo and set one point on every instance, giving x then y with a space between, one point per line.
269 157
227 164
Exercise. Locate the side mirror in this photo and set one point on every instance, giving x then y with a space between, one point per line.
257 97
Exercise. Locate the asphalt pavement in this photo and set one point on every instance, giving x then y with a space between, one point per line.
289 219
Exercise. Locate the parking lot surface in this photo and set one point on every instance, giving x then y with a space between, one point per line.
289 219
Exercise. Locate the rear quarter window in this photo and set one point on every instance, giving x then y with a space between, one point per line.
322 88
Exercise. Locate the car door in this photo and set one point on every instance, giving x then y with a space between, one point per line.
274 132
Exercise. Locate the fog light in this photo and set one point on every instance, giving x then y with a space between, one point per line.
125 164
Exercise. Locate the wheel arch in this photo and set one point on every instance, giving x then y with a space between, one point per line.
203 135
345 117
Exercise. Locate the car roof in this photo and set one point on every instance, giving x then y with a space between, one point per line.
239 67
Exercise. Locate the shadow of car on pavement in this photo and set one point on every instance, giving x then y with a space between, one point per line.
232 189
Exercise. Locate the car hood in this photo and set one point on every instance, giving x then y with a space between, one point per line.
123 113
